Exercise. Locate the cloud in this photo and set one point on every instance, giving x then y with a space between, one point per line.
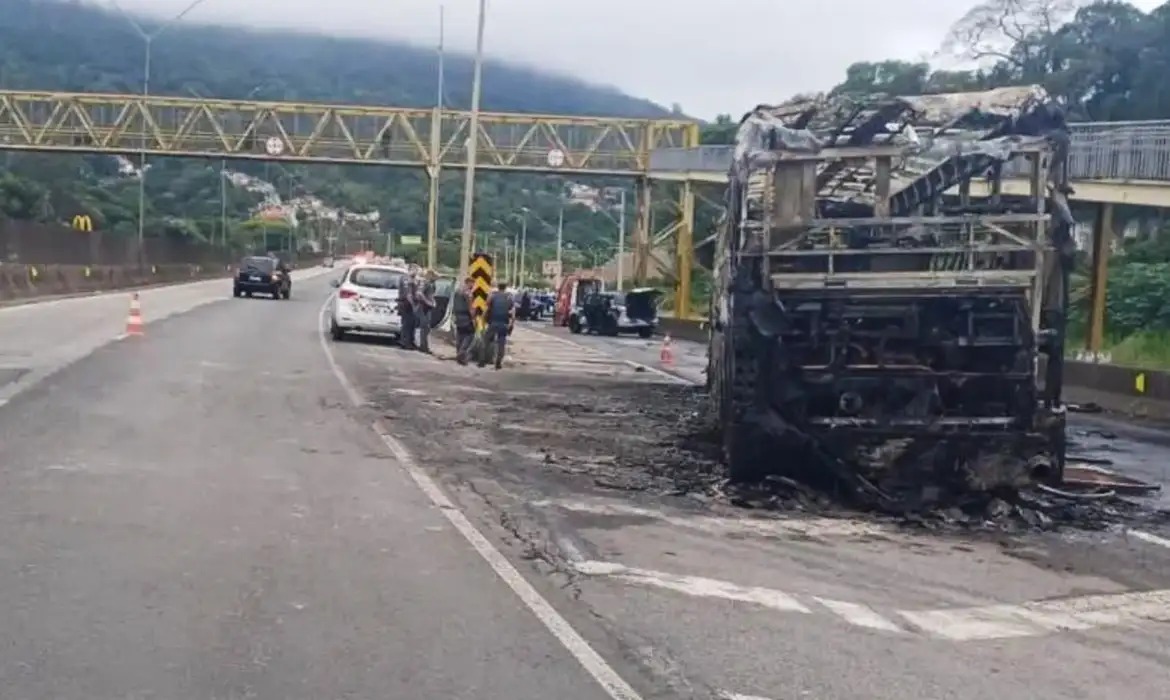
709 57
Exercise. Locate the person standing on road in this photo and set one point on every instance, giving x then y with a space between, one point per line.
424 303
406 294
501 315
464 318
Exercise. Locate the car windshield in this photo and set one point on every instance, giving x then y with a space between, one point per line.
378 278
258 262
618 298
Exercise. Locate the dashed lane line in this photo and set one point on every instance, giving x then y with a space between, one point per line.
592 662
696 586
988 622
1149 538
766 527
859 615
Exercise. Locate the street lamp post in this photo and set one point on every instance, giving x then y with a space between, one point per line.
223 232
148 41
621 242
472 145
523 244
560 240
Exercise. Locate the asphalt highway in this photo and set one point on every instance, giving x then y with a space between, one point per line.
235 507
200 513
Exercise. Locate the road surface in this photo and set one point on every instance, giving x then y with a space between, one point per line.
199 513
235 507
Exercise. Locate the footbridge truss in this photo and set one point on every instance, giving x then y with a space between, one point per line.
304 132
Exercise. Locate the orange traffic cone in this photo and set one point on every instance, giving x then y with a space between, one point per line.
666 355
134 318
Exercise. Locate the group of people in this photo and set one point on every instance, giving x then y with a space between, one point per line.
499 320
416 302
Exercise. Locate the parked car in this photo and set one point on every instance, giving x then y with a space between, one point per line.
611 313
366 301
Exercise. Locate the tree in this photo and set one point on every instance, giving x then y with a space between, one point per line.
1009 31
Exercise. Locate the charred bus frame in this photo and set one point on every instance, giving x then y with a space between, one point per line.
891 343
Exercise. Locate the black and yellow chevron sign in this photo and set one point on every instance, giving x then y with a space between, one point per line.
480 271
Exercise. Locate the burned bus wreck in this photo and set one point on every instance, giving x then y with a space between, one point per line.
872 320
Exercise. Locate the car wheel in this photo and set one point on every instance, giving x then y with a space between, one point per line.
645 332
574 325
336 331
237 292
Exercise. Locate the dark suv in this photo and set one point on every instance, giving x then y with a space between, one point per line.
262 274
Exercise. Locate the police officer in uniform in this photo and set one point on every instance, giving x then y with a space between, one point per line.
424 303
464 318
406 294
501 314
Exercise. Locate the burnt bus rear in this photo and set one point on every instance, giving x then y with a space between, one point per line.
880 323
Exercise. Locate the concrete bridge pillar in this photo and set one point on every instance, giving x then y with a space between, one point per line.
1102 243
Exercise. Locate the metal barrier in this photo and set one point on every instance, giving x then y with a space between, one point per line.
1097 151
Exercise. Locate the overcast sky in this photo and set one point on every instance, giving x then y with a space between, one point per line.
710 57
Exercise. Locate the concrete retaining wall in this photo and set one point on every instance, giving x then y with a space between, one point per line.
20 282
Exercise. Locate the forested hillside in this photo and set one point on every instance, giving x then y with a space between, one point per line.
74 46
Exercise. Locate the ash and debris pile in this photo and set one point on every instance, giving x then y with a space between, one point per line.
684 459
928 506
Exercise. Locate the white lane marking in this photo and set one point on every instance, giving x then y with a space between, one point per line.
696 586
1040 617
808 527
605 675
1149 538
741 696
859 615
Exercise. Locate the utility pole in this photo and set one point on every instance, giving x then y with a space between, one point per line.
621 242
523 245
472 146
148 41
507 268
223 202
434 172
560 240
516 259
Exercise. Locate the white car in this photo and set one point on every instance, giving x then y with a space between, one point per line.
366 301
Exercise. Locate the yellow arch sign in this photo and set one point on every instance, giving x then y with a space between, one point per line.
82 222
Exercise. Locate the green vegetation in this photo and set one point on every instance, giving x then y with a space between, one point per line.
1109 62
74 46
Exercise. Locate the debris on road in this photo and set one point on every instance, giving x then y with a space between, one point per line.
542 433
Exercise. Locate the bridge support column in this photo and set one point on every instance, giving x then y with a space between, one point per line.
642 231
433 175
434 172
684 250
1102 242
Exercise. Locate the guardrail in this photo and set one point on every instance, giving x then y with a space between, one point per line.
1126 389
1097 151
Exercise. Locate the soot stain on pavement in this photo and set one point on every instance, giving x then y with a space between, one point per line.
612 435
